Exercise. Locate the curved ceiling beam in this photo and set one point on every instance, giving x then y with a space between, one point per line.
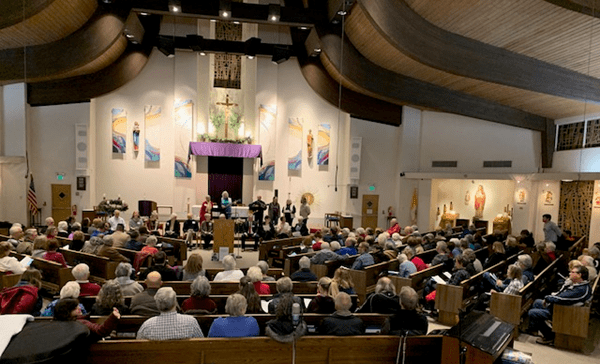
353 103
39 25
377 80
75 51
86 87
16 11
577 6
435 47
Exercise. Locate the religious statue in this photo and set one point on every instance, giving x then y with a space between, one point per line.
136 136
467 198
309 144
479 202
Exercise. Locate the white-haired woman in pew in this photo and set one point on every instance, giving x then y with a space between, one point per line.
236 325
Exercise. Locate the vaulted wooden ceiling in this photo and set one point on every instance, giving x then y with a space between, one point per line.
523 63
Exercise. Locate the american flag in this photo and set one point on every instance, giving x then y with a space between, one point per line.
31 198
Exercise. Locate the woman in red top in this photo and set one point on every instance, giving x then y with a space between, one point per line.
150 247
255 275
52 254
418 262
199 301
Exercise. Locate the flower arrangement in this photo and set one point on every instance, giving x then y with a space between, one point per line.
109 206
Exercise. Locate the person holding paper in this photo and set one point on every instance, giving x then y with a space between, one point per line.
7 263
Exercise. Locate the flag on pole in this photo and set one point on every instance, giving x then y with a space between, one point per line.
31 198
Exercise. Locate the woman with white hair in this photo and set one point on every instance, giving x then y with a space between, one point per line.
63 229
255 275
69 290
236 325
172 229
199 302
129 287
226 204
229 273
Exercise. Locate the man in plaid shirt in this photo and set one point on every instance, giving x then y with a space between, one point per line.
169 325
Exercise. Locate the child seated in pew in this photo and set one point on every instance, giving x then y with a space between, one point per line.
324 302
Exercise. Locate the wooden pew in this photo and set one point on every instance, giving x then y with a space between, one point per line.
101 268
131 323
307 349
366 279
54 276
220 288
9 280
328 269
272 272
511 308
220 300
417 280
427 256
577 248
571 323
291 264
179 249
450 299
267 248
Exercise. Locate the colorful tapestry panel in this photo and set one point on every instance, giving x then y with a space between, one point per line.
267 116
295 144
152 121
119 130
323 141
183 137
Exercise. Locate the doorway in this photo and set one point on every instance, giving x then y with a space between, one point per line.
61 202
370 207
225 174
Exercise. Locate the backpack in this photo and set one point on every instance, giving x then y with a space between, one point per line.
19 299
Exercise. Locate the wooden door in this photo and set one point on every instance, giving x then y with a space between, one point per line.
61 202
370 207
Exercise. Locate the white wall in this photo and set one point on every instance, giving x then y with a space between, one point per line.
52 150
13 121
378 167
448 137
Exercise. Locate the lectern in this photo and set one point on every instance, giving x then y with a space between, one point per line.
223 234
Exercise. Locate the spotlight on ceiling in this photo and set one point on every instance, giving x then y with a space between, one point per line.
225 8
134 30
281 54
174 6
274 12
251 47
166 45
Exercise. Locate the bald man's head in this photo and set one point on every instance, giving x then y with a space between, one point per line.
153 280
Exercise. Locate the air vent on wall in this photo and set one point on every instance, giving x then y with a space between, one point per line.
497 164
444 164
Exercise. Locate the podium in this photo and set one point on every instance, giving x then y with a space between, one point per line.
223 234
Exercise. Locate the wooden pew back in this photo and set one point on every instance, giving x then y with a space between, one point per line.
308 349
101 268
366 279
227 288
54 276
266 247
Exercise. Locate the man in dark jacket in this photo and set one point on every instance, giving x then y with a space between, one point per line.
342 322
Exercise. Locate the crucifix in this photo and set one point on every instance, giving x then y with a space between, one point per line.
227 105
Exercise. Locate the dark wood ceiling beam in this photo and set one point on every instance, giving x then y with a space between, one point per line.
377 80
576 7
430 45
72 52
86 87
15 11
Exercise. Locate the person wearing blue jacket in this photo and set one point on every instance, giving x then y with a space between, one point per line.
579 291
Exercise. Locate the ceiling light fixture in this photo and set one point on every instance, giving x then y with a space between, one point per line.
274 12
225 8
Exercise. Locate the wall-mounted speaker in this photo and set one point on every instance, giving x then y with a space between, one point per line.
81 148
355 150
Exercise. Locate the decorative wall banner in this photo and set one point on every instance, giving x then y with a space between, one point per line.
183 136
152 121
119 130
295 144
267 117
324 140
521 196
548 197
136 137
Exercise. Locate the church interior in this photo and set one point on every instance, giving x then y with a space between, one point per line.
432 113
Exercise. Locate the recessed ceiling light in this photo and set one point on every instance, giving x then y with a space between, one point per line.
236 22
144 14
203 53
342 12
